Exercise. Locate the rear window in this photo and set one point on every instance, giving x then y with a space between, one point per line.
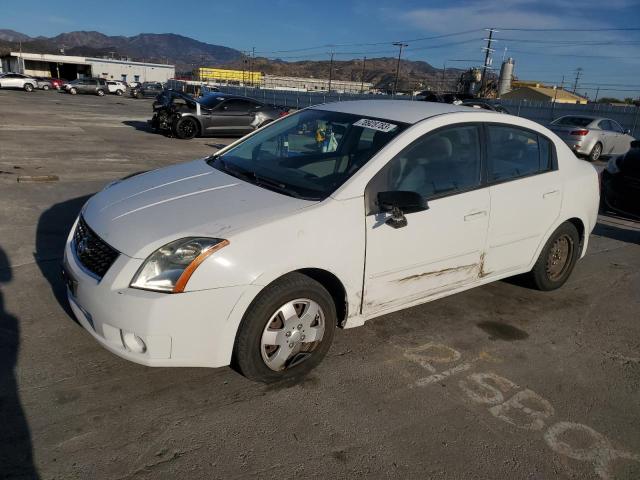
573 121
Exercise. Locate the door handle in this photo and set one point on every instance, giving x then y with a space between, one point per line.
550 194
475 216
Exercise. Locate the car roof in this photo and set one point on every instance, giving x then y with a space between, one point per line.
406 111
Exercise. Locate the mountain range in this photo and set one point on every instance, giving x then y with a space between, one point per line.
187 53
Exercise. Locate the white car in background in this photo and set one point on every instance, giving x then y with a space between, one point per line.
116 87
329 217
18 80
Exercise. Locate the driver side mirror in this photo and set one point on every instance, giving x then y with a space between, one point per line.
399 203
635 144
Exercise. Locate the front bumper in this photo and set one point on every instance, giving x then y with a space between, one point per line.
195 329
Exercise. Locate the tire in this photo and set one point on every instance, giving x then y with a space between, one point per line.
557 259
138 96
266 122
258 359
28 87
45 87
119 93
73 91
186 128
100 93
596 152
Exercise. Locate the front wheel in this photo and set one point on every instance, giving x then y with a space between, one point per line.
186 128
45 87
286 331
100 93
119 93
557 259
73 91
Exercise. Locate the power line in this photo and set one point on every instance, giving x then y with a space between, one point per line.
340 45
630 29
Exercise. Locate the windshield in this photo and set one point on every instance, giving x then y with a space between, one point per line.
573 121
309 154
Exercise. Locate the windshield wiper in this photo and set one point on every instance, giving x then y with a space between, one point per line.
255 179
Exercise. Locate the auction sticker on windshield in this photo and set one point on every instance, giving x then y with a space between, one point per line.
375 125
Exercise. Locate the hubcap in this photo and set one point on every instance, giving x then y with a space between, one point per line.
596 151
292 333
559 257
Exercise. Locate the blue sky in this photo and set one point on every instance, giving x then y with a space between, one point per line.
609 59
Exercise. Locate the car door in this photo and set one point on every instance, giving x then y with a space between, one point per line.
440 249
526 195
623 140
608 137
234 114
11 80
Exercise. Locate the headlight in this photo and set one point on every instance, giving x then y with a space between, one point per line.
169 268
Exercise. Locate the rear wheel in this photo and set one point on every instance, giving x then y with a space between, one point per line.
596 152
138 95
45 87
119 93
186 128
286 331
28 87
100 93
557 259
73 91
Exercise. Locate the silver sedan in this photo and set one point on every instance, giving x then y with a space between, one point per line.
592 137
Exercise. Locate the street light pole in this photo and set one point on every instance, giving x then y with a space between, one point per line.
364 62
395 83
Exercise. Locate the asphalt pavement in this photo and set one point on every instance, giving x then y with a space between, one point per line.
499 382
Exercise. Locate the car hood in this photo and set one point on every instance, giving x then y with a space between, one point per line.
138 215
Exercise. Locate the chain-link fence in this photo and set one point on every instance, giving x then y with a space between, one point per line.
541 112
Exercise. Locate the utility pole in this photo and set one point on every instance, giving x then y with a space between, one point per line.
331 70
364 62
253 54
444 72
487 58
395 83
575 83
597 92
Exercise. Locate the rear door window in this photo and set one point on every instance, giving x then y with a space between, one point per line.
605 125
514 152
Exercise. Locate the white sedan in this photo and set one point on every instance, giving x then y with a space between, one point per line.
328 217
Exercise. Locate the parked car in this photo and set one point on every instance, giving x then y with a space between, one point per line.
214 114
18 80
44 83
147 90
116 87
592 137
57 83
328 217
620 183
494 107
95 86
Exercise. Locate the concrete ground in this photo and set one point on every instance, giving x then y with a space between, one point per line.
499 382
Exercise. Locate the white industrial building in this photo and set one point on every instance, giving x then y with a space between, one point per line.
70 67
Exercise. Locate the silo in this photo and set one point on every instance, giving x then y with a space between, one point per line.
506 73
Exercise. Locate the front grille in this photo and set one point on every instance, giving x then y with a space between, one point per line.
93 253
